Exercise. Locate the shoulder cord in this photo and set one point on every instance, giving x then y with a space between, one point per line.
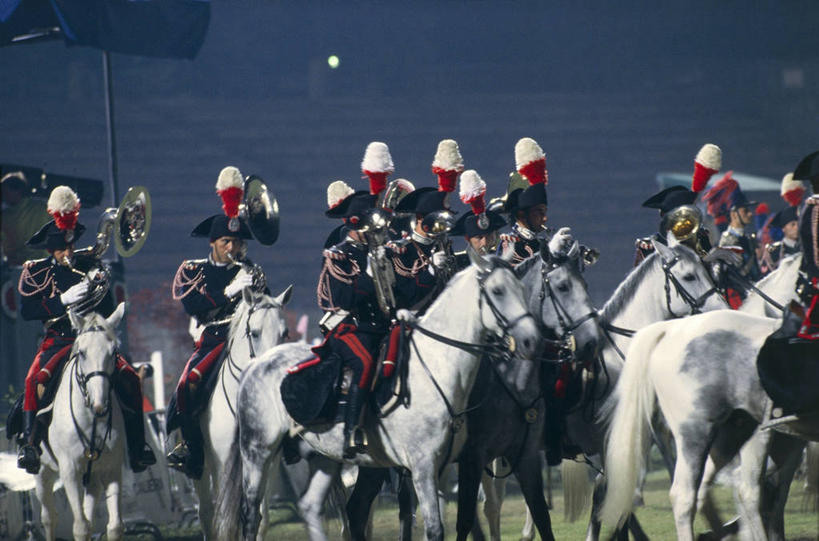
31 281
324 296
185 285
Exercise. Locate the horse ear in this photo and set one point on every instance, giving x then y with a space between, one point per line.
285 295
664 251
115 318
247 295
477 259
77 321
672 240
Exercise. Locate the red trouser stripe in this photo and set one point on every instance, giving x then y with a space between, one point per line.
392 351
206 362
129 384
361 352
30 399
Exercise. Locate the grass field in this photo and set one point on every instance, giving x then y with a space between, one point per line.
655 516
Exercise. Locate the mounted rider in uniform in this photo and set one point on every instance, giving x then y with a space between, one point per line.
787 220
808 282
49 288
423 262
210 290
354 323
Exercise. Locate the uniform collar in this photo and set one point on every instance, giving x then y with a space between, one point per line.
420 239
735 232
214 263
524 232
789 242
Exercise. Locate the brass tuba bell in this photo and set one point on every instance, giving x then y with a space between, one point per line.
261 210
683 221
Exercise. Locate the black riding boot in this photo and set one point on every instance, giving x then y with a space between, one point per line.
355 441
29 456
189 455
140 454
553 433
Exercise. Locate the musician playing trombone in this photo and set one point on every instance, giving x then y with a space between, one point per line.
210 290
49 288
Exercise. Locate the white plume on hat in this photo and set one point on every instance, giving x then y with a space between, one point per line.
63 200
792 190
337 192
527 151
707 163
377 158
472 186
448 156
229 177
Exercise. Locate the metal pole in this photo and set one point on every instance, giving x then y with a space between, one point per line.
109 121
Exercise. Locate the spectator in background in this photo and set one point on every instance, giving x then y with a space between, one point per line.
22 217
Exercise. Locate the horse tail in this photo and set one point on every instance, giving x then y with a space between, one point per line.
577 489
226 520
811 502
629 410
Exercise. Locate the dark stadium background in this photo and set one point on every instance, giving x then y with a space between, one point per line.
614 93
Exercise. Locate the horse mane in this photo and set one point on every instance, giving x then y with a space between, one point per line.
623 293
242 308
526 265
496 261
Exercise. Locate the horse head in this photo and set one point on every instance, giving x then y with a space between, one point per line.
259 320
558 294
689 288
502 304
94 354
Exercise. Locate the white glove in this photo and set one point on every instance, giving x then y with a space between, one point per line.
561 242
718 254
439 259
379 252
75 293
241 281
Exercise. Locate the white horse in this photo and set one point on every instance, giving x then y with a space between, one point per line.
84 446
424 435
258 324
778 287
703 373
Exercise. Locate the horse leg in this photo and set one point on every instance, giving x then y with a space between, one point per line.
311 502
527 471
407 504
44 483
494 490
367 486
112 503
255 462
599 494
528 531
753 458
205 496
424 477
786 452
469 478
72 482
692 450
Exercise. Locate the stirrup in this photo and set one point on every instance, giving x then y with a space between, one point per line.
178 456
355 442
28 458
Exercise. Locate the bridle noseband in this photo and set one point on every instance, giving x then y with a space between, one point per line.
82 378
695 303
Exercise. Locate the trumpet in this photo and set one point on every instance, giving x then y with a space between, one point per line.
438 225
383 275
99 281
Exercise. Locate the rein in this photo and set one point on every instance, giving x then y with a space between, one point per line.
695 303
89 443
750 285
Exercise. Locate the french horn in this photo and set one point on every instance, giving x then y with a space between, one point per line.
683 221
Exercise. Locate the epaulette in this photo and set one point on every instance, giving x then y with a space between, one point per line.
32 262
398 246
644 243
509 237
191 264
772 247
335 253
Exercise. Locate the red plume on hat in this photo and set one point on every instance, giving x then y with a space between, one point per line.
719 198
64 207
707 163
229 186
792 190
447 164
377 165
530 161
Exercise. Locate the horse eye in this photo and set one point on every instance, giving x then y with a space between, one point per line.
497 291
689 277
255 334
285 335
563 287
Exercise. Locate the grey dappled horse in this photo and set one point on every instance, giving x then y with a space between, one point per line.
87 432
481 301
702 373
257 325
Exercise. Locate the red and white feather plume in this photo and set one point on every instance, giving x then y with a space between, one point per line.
230 187
337 192
64 206
377 165
792 190
473 193
447 165
707 163
530 161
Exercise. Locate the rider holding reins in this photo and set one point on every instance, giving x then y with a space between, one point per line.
49 288
210 290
